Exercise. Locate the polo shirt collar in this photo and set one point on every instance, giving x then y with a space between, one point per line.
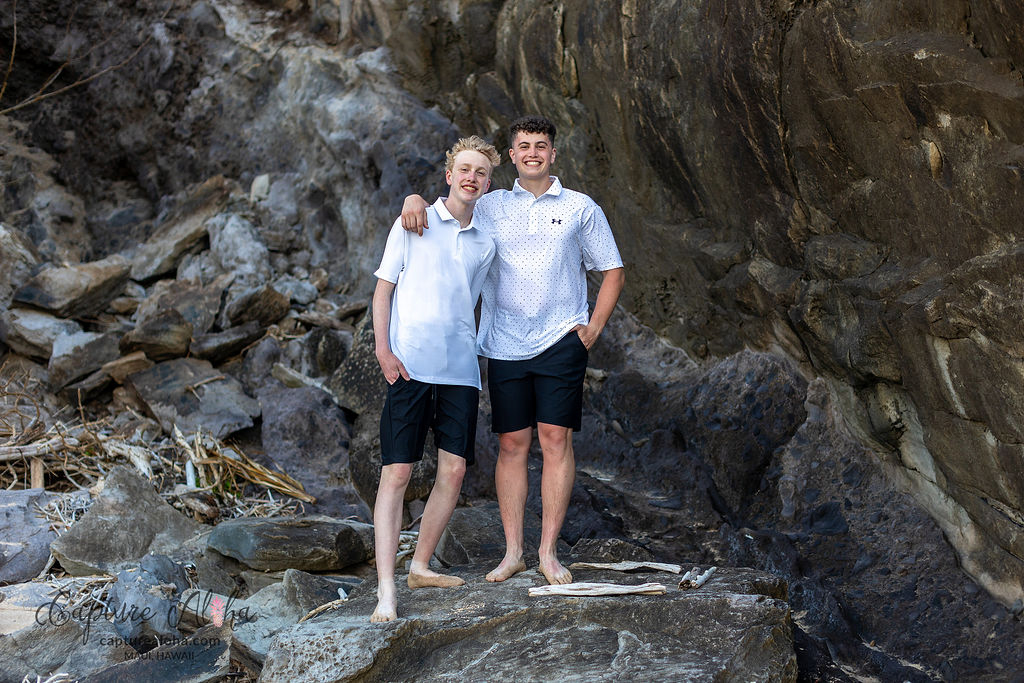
554 190
445 215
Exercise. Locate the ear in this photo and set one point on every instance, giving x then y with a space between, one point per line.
448 177
554 153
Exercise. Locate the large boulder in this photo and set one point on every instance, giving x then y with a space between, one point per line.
127 521
736 627
192 394
306 543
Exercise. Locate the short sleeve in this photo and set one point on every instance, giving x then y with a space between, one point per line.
597 242
393 261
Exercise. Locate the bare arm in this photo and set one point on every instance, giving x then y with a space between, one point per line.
389 362
607 296
414 214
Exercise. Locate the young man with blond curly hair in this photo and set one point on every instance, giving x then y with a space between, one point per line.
427 290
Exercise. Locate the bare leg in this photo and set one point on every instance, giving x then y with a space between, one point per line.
555 489
440 505
512 485
387 524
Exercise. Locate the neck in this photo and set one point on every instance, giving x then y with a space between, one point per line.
536 187
460 210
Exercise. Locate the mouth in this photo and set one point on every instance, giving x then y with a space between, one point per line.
469 188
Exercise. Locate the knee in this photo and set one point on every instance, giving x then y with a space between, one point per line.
515 444
395 477
554 440
452 470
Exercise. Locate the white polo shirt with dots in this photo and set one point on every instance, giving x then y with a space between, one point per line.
536 289
439 276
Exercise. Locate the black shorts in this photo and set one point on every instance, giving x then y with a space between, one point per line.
546 388
413 407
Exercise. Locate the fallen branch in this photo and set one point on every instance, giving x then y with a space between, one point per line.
53 445
694 579
583 588
323 608
627 566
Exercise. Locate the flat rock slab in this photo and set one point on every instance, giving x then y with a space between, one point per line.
193 394
306 543
32 333
736 628
128 520
25 535
82 289
181 231
74 356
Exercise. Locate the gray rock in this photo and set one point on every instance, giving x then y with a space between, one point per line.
736 627
309 591
741 411
181 230
75 355
26 535
297 291
80 290
17 259
193 394
311 544
144 601
61 644
32 333
358 383
198 304
237 246
203 657
306 435
217 347
161 336
127 521
263 304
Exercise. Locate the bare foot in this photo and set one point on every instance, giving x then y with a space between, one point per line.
387 607
554 572
423 579
508 568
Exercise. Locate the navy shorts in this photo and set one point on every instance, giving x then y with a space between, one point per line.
546 388
413 407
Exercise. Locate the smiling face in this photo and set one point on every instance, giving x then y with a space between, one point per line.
532 154
469 176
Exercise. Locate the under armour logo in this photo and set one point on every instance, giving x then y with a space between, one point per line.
556 220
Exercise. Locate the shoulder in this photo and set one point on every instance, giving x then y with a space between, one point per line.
577 197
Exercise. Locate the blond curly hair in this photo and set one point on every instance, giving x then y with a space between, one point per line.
474 144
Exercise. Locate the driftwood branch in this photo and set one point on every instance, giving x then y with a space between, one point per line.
694 579
583 588
627 566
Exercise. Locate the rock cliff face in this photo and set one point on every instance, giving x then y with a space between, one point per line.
837 183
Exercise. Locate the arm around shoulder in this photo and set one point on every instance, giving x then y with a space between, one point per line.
414 214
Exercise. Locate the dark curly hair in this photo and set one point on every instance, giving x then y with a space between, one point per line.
531 124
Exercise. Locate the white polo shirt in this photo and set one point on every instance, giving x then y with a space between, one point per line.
439 277
536 290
